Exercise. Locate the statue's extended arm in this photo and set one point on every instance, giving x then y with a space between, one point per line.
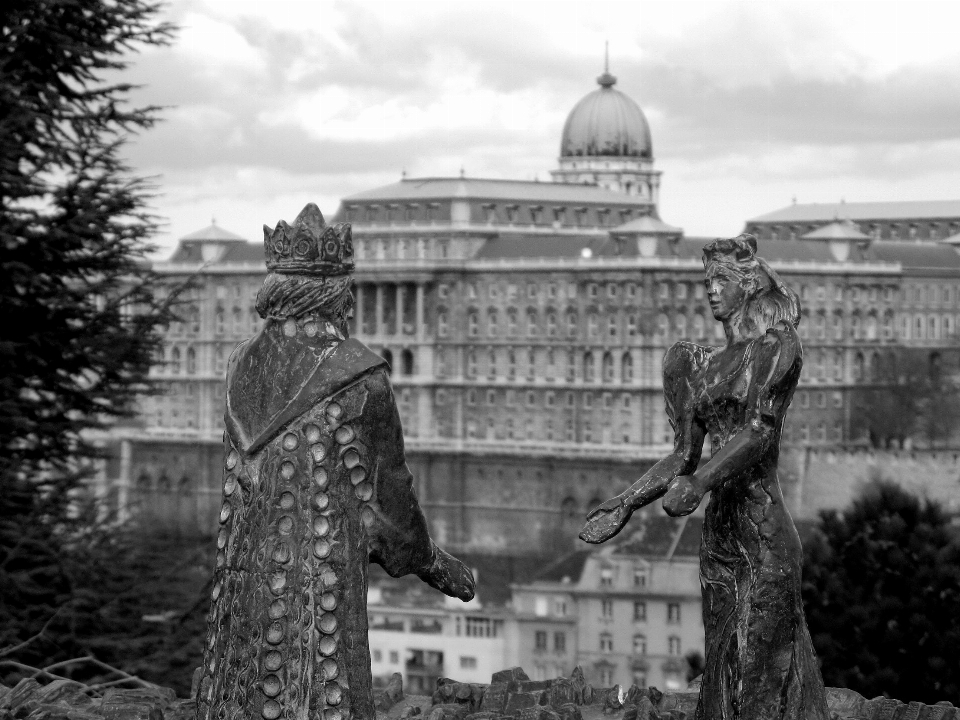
776 370
608 519
399 539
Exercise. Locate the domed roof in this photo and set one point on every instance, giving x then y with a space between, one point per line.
606 123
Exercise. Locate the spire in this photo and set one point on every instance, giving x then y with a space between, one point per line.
606 80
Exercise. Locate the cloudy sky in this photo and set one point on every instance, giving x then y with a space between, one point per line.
270 105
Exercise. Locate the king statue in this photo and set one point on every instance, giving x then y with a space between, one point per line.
315 486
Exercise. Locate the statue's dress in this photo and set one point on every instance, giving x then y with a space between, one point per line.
760 662
315 487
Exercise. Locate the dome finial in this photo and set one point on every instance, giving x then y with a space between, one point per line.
606 80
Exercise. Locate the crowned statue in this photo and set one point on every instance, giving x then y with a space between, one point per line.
315 486
760 662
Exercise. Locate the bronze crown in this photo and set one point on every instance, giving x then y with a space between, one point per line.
309 246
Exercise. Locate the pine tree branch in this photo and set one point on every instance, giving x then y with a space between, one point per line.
20 646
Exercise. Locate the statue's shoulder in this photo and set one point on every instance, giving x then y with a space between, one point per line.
779 352
352 358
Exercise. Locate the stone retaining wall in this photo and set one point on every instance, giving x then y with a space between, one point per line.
511 695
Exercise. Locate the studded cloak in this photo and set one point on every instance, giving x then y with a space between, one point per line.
315 486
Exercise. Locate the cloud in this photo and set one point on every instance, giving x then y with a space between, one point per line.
341 95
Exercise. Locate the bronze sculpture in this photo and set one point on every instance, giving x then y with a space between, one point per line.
760 662
315 487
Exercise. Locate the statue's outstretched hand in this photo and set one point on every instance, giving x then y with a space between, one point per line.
606 520
449 576
683 496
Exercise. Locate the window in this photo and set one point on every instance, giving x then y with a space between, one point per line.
191 361
540 639
442 324
592 290
606 608
571 324
588 367
394 657
626 365
673 612
612 326
606 677
378 656
531 291
631 326
606 577
639 644
673 645
639 577
606 643
492 323
472 364
468 663
492 292
560 642
640 611
531 323
473 324
175 361
551 324
593 325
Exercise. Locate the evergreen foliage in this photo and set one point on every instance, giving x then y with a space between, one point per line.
78 304
882 597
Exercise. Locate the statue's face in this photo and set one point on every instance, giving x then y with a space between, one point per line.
725 292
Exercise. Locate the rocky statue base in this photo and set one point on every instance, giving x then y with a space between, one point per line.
511 695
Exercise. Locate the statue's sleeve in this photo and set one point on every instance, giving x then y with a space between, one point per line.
398 536
681 364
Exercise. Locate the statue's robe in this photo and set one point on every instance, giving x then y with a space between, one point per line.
315 486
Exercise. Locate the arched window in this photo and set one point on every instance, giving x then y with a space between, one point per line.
191 361
699 326
492 322
571 366
441 364
473 323
193 319
531 364
837 326
639 644
571 324
471 363
871 327
406 362
588 367
663 326
512 322
531 323
593 325
875 371
220 321
838 365
551 324
608 368
511 364
681 325
855 327
858 367
551 365
626 363
175 361
442 324
492 364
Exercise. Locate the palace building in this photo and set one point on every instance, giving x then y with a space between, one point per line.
525 324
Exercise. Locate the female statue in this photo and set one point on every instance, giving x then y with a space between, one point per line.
760 662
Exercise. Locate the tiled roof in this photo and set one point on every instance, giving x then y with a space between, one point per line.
916 255
541 246
569 566
895 210
190 251
647 224
213 232
421 189
654 535
842 230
